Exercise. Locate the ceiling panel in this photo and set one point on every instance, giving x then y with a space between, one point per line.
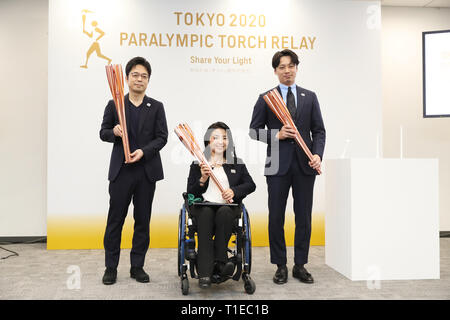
416 3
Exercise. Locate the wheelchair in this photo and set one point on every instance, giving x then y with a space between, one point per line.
240 254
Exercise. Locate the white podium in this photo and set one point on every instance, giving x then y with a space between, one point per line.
382 218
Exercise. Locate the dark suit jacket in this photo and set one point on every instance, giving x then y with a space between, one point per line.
238 177
309 122
151 137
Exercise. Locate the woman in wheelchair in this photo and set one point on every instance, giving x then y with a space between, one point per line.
215 222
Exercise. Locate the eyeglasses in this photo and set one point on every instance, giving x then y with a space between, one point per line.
136 75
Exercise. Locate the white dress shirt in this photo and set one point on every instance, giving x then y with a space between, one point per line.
284 92
213 194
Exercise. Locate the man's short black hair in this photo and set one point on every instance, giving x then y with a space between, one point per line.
134 62
286 52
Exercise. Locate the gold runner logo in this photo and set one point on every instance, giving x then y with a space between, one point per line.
95 46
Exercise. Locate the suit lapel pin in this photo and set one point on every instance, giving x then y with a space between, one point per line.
302 94
233 171
148 104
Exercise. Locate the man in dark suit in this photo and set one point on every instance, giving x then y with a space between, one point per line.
135 180
287 165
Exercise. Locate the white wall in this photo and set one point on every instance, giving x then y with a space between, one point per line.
205 93
401 41
23 107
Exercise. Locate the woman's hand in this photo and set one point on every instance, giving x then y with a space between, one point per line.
206 172
228 195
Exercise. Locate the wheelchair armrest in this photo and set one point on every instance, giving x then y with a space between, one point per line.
186 201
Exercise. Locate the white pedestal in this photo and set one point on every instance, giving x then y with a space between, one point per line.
382 218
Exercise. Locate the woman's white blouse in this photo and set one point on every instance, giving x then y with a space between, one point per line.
213 194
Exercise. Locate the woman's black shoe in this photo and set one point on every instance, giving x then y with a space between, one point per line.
227 269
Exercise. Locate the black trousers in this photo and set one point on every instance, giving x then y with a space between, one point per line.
131 184
302 191
214 229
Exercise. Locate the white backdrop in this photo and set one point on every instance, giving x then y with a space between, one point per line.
338 43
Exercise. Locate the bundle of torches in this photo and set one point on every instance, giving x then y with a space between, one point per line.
184 132
186 136
279 108
115 80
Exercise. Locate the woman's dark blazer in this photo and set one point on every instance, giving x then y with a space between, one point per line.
238 177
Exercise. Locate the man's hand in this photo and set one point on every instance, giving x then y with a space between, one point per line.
228 195
316 162
118 131
286 132
136 156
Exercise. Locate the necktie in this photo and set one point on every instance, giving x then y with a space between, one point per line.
291 103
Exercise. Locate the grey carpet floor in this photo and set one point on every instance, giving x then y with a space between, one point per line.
76 274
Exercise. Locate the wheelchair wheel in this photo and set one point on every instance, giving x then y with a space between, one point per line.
180 240
249 285
185 286
248 246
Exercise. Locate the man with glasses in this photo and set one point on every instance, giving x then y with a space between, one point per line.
135 180
287 165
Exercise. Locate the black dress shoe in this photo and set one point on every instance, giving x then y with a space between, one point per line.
302 274
281 275
139 274
204 282
227 269
110 276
